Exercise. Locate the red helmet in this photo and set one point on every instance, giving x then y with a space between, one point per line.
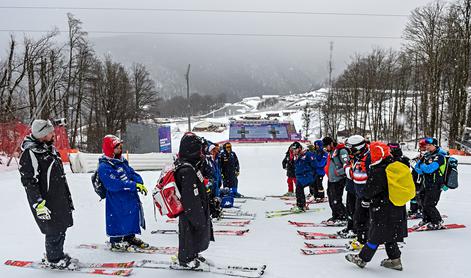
422 143
110 142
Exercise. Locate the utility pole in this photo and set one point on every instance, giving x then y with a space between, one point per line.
187 76
330 94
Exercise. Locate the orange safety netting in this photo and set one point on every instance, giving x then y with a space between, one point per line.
13 133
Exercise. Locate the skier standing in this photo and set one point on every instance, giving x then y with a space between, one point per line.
43 177
230 169
432 166
357 171
416 202
194 225
124 212
337 160
321 160
305 166
388 222
288 165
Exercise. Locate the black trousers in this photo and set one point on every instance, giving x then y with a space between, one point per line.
430 211
368 251
300 196
55 247
317 189
350 209
335 194
361 220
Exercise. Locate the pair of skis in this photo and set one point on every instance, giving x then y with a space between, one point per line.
148 250
279 213
235 223
424 228
318 236
126 268
322 224
217 232
331 249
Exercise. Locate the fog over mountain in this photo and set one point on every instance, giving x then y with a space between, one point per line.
233 65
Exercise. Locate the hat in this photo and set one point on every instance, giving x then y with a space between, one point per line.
191 147
378 151
110 142
319 144
327 141
41 128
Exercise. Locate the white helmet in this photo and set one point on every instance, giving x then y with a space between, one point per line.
355 143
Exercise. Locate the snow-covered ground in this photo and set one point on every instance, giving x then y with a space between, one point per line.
270 241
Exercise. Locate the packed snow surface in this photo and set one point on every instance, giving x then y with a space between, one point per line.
270 241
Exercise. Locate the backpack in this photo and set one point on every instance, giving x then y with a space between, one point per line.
98 185
451 172
166 194
401 186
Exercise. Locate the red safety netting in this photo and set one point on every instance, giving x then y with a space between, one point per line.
13 133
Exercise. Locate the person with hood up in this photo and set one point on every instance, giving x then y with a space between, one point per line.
194 224
336 161
305 167
317 189
388 222
124 212
288 165
43 177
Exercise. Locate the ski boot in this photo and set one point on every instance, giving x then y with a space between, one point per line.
297 209
392 264
122 246
288 194
137 242
354 258
346 233
65 263
435 226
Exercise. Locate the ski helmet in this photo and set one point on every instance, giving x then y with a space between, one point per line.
355 143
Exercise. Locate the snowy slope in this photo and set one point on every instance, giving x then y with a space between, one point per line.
270 241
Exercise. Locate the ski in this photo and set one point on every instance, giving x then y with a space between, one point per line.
279 213
237 213
444 227
415 217
324 251
230 270
325 245
149 250
239 201
251 198
241 223
217 232
312 224
83 269
301 233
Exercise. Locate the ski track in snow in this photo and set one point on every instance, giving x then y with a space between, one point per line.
270 241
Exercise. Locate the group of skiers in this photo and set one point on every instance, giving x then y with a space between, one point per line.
359 168
201 169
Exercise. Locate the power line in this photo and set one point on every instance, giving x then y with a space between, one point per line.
209 34
201 11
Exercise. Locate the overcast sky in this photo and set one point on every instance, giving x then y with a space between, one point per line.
103 20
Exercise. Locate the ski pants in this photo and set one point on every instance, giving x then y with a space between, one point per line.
430 201
316 189
335 194
350 209
291 183
369 250
55 247
361 219
300 196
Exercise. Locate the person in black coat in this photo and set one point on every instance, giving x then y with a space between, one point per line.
195 228
388 222
230 169
43 178
288 165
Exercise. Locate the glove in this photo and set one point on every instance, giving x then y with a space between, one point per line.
237 174
42 211
141 188
444 188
